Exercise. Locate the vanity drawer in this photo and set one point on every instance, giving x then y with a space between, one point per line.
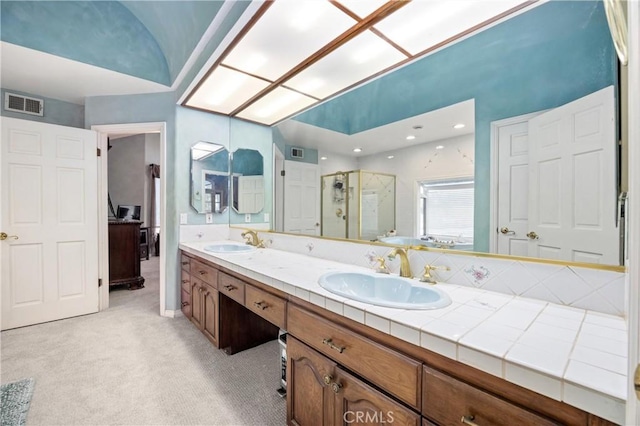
185 283
447 400
386 368
270 307
185 262
231 287
205 273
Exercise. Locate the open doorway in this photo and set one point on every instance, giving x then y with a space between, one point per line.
131 180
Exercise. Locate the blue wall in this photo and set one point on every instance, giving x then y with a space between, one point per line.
55 111
544 58
310 155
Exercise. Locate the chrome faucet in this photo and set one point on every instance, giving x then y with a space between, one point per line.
405 267
252 238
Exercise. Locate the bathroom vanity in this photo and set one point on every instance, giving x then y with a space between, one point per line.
341 370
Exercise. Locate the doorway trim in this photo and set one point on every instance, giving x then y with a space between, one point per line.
493 166
103 131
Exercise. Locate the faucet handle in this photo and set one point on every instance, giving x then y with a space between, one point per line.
426 274
382 267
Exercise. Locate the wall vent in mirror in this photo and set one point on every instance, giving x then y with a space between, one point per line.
297 153
23 104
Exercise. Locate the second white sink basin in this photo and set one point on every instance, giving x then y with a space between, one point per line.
384 290
229 248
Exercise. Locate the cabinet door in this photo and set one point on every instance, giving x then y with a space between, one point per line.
309 376
197 289
358 403
210 314
186 303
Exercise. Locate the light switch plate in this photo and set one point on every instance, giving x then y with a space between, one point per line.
266 217
209 218
247 217
183 218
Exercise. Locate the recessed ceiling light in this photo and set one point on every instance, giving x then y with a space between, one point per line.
439 147
458 126
357 149
410 137
390 157
323 158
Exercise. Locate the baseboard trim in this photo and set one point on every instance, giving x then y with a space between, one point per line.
172 314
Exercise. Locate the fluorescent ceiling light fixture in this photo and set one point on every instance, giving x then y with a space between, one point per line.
439 147
458 126
323 158
204 149
357 149
410 137
278 104
363 8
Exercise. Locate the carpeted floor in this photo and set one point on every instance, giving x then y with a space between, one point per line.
129 366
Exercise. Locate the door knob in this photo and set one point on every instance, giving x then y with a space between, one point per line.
506 231
4 236
532 235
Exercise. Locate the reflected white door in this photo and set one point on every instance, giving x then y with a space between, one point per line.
301 198
48 179
513 189
572 177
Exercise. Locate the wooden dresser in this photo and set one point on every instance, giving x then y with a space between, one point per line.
124 254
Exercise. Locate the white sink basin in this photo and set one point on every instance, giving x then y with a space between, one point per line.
384 290
229 248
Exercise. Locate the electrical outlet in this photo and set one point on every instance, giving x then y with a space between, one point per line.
247 217
183 218
266 217
209 218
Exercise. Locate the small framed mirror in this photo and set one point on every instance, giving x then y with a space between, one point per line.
247 171
209 177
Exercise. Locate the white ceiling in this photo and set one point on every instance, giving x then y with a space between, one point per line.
32 71
436 125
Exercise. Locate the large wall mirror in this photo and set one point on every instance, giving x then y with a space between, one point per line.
465 132
247 171
209 177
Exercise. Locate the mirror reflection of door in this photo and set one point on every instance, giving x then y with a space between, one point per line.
215 191
209 177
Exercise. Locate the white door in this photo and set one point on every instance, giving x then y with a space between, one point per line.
301 198
48 179
250 194
513 189
572 178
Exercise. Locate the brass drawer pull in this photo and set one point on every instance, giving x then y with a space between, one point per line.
329 342
335 387
260 305
468 420
185 263
229 287
185 281
185 304
202 272
327 379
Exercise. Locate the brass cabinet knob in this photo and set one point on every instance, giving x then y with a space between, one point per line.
335 387
532 235
327 379
468 420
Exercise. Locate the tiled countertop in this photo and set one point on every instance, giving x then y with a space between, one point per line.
567 354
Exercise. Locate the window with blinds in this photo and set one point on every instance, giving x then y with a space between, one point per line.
447 209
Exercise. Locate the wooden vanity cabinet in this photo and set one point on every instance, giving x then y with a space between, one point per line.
210 314
322 393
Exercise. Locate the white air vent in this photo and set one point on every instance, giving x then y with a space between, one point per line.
23 104
297 153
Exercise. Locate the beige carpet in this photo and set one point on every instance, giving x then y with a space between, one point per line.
129 366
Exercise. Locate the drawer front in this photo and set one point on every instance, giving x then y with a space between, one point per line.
447 400
231 287
185 283
270 307
186 303
204 272
185 263
386 368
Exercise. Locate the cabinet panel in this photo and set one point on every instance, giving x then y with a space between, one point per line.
205 273
231 287
270 307
210 314
309 398
197 289
185 281
185 263
356 402
185 304
447 400
386 368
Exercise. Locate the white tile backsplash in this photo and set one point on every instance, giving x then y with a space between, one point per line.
585 288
